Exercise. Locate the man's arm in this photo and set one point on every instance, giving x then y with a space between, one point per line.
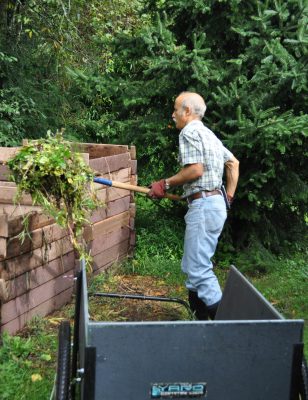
232 174
188 173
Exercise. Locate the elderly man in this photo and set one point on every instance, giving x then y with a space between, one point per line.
204 159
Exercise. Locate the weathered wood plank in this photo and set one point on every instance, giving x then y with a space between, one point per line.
35 221
100 150
14 210
111 194
106 226
110 209
4 172
35 297
105 165
35 239
13 267
133 164
8 194
109 264
110 255
132 151
132 210
99 214
121 175
132 238
117 206
134 180
3 251
132 223
7 152
42 310
4 229
10 184
105 241
32 279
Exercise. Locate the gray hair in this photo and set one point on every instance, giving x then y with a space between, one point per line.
195 102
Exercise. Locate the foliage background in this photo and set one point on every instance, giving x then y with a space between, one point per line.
109 71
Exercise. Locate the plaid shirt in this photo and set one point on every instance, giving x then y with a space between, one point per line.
198 144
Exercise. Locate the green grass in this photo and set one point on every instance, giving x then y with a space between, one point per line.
32 355
28 362
286 287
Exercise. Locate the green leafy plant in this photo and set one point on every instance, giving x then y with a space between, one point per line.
59 181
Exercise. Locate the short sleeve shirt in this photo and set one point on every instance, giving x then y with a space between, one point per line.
198 144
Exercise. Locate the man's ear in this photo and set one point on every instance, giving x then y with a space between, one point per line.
187 110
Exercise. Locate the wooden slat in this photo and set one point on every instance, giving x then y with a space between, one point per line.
134 180
37 238
111 194
122 175
4 229
8 194
132 210
106 226
13 211
16 266
3 246
105 165
110 255
35 297
132 224
110 209
133 164
39 276
105 241
7 152
9 184
118 206
35 221
132 151
105 267
4 172
100 150
132 238
42 310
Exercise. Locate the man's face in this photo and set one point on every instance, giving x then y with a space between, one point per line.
179 114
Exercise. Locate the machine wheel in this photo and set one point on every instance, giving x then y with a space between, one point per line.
304 381
64 360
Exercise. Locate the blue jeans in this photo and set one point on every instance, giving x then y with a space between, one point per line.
205 219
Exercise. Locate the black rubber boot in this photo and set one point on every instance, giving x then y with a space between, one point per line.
197 306
212 310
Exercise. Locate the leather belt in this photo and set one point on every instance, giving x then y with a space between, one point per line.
203 193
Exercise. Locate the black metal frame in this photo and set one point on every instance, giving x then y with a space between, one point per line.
76 335
88 375
142 297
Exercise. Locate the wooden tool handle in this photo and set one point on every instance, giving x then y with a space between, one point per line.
142 189
134 188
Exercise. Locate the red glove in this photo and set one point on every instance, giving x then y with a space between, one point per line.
158 190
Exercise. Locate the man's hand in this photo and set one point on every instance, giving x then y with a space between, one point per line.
158 190
230 199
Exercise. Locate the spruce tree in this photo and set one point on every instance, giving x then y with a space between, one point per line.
249 61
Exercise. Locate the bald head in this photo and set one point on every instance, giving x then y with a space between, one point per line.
195 102
188 106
